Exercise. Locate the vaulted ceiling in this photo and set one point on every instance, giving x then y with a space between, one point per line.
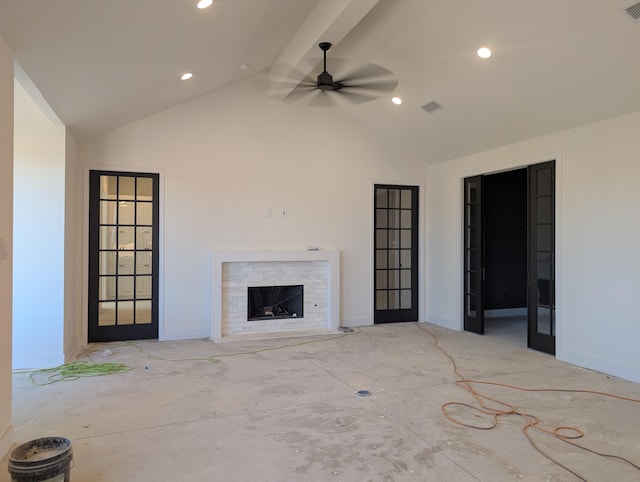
555 64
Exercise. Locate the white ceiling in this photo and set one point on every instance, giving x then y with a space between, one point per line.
556 64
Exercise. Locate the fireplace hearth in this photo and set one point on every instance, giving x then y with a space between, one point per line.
275 302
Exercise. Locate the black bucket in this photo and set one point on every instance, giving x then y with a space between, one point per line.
44 459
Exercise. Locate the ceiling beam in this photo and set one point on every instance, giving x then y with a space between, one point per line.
27 84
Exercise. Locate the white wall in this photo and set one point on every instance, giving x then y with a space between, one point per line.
73 274
228 157
39 224
597 239
6 233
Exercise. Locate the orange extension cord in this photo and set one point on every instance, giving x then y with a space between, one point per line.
564 433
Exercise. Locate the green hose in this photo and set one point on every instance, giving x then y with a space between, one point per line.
78 369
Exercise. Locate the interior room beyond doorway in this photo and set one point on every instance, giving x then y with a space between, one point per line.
505 232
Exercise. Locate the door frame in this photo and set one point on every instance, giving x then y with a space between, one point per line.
503 167
421 249
83 332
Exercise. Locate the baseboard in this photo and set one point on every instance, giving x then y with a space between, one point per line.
35 362
6 442
599 365
174 335
445 323
355 322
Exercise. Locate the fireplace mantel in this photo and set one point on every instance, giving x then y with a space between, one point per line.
220 288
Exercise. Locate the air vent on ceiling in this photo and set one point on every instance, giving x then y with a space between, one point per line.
431 106
634 11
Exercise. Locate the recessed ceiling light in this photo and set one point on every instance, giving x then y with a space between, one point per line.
204 3
244 66
186 76
484 53
396 100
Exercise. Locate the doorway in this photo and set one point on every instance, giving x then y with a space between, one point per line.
123 256
509 253
396 253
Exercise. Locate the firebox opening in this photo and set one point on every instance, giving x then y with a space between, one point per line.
274 302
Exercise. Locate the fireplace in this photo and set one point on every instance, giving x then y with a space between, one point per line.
233 272
275 302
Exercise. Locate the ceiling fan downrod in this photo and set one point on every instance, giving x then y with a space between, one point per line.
324 46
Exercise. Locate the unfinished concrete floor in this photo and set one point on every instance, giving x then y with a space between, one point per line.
286 410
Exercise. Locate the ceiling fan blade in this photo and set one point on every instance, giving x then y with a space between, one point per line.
328 98
382 86
306 85
356 97
284 80
285 89
367 71
300 93
321 98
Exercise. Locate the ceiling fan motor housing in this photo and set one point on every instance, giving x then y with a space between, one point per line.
325 81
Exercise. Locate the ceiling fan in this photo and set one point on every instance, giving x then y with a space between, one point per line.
363 84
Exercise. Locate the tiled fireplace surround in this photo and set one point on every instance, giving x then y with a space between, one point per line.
232 272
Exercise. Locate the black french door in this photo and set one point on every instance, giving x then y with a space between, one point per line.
123 256
396 253
540 262
473 256
542 298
